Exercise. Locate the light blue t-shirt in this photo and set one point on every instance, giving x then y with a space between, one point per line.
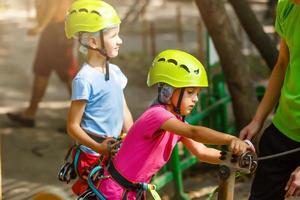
103 114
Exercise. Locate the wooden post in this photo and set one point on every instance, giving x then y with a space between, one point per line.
226 185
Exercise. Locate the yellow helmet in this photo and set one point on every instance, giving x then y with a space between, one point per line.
90 16
178 69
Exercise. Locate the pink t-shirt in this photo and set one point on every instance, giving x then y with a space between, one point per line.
143 152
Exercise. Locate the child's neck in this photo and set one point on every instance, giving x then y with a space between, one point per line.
97 61
170 108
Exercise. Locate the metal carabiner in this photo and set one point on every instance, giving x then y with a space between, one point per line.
67 171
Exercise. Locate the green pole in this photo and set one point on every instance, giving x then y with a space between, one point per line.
175 161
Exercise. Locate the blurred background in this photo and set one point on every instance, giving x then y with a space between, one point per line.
31 157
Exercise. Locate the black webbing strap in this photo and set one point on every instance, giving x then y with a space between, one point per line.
177 109
128 185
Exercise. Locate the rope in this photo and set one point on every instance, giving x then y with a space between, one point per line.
278 154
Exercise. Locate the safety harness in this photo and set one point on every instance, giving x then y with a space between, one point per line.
69 169
139 188
97 174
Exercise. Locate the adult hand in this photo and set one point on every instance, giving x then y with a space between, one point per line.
293 185
250 130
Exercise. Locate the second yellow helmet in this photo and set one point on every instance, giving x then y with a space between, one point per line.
178 69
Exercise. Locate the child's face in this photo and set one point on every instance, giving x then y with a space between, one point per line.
189 99
112 42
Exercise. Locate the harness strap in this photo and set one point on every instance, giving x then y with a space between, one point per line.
125 195
121 179
78 152
91 183
128 185
140 194
75 162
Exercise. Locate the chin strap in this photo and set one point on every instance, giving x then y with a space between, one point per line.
159 88
102 51
177 108
107 69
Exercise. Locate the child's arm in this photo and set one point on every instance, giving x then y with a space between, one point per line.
128 121
202 152
78 134
205 135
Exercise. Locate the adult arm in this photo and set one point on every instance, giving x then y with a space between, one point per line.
45 12
271 96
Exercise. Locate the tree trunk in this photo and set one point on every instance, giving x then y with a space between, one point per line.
234 63
255 31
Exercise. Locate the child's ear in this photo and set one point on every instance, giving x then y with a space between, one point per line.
173 99
93 42
169 101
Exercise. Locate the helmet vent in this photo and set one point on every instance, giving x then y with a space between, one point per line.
73 11
185 68
161 59
172 61
83 10
196 71
96 12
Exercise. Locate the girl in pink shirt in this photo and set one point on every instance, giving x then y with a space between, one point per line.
150 141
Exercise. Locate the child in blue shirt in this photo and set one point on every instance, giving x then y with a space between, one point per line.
98 112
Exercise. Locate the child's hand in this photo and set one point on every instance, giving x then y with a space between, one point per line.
106 146
238 146
250 145
115 148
